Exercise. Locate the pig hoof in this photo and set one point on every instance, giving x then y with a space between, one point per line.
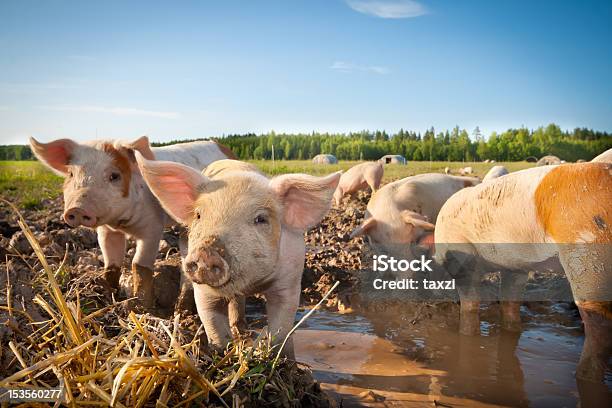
112 275
143 285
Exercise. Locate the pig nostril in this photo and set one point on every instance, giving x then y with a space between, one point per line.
87 218
216 270
71 217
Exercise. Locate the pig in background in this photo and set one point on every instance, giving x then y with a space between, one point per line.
404 212
103 189
359 177
495 172
246 236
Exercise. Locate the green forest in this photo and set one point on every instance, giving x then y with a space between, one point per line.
449 145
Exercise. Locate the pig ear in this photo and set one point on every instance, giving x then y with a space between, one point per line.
143 146
364 228
306 199
175 185
416 219
55 154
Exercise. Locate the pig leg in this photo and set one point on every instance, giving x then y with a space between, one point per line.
461 264
281 307
237 315
185 300
597 349
512 285
589 270
112 244
142 267
212 310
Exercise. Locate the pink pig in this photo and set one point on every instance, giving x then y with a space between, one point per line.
358 178
246 236
103 189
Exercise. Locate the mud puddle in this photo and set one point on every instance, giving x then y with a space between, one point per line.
384 359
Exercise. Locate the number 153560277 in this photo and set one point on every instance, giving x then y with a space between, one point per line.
31 394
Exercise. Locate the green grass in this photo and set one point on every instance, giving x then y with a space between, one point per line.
27 183
392 171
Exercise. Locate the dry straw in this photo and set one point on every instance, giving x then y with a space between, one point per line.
141 360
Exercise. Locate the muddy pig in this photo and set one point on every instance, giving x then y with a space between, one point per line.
358 178
555 217
246 236
103 189
404 212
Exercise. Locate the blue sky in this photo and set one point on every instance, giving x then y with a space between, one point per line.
204 68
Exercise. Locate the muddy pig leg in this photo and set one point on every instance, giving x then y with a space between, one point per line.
462 266
597 349
112 244
281 307
142 267
213 312
185 300
589 270
512 286
236 312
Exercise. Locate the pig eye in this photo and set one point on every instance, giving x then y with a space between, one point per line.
114 176
261 220
69 173
197 214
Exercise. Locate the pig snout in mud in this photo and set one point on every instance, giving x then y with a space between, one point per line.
206 263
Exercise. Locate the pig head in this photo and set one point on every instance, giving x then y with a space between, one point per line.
103 189
245 237
98 177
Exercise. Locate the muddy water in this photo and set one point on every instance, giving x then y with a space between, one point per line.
385 358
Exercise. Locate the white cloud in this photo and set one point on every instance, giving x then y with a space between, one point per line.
388 8
115 111
347 67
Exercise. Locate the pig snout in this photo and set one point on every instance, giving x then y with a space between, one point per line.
77 216
206 265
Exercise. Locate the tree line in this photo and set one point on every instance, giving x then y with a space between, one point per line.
449 145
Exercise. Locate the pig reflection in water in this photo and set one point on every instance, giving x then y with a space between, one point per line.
380 349
245 237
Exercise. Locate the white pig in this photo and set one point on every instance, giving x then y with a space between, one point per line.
358 178
495 172
558 217
103 189
246 236
405 211
605 157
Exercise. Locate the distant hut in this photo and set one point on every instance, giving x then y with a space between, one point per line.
325 159
392 159
531 159
548 161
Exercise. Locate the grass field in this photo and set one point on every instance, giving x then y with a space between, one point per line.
29 182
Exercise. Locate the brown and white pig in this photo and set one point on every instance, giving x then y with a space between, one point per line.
560 216
358 178
246 236
103 189
495 172
404 212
